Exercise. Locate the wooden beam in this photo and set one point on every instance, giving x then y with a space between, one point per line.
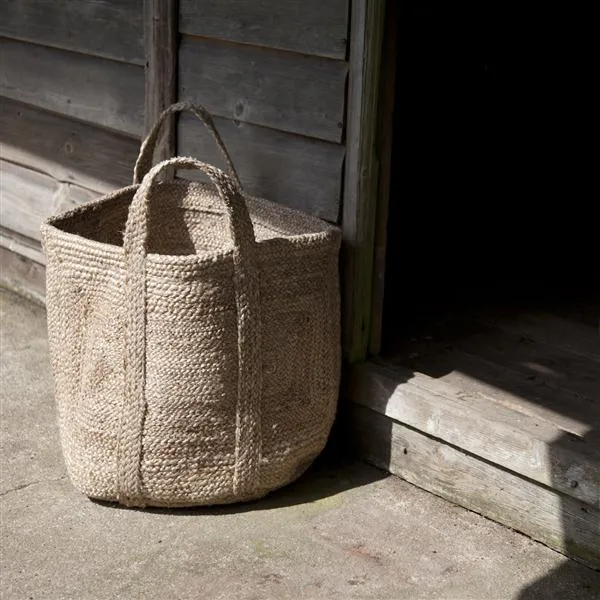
385 135
477 423
556 367
561 522
554 331
160 43
361 173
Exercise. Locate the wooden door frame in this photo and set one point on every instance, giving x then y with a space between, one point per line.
161 34
367 173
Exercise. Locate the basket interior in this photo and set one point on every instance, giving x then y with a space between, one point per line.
184 218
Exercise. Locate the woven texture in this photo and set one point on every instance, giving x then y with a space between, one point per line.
194 338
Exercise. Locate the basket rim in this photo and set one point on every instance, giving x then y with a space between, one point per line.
314 223
326 234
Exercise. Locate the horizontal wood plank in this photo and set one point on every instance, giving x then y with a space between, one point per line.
295 171
555 331
561 522
290 92
567 410
474 422
108 29
22 246
22 275
29 197
555 367
309 27
92 89
68 150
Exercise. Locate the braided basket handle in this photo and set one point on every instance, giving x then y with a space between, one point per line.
145 158
247 298
239 220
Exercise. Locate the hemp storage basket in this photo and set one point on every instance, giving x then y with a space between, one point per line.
194 338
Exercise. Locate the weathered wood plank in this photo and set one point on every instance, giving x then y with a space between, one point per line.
160 43
29 197
307 26
67 150
295 171
22 275
532 360
108 29
474 422
361 174
23 246
567 410
586 312
92 89
554 366
385 135
289 92
555 331
561 522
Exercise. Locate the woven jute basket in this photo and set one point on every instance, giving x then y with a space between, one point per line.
194 337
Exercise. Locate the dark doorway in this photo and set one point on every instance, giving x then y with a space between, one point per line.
492 197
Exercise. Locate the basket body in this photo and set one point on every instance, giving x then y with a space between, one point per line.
191 451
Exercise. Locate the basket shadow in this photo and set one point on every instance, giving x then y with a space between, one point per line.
330 474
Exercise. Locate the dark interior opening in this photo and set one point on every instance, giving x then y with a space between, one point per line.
492 200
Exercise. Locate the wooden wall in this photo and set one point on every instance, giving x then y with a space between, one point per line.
73 92
274 74
71 108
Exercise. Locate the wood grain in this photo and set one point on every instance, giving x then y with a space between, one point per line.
572 412
66 149
308 26
361 174
29 197
561 522
475 422
385 135
22 246
556 331
281 90
92 89
160 42
295 171
21 275
109 29
556 367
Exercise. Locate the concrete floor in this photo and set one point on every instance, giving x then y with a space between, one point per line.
344 530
